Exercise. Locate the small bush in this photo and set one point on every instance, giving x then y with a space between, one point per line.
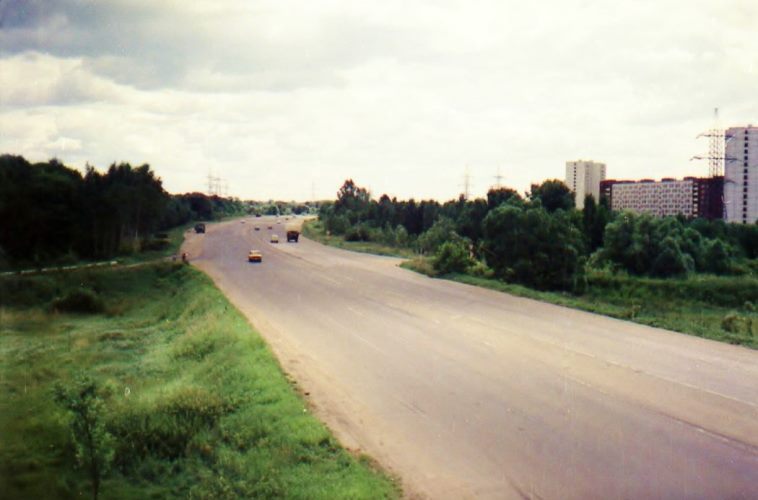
420 265
81 301
156 244
731 322
452 257
481 270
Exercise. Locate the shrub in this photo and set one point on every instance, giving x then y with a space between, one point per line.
481 270
671 261
81 300
155 244
452 257
358 232
731 322
718 257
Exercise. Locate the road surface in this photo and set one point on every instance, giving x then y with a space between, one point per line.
469 393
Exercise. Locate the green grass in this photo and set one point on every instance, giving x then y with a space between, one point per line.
197 405
713 307
314 229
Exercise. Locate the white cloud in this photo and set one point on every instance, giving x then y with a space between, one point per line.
274 95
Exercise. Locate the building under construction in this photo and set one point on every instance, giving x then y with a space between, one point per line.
691 196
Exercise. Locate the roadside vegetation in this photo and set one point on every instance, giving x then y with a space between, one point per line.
314 229
51 214
695 276
146 383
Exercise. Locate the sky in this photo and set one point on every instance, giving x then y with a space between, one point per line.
286 99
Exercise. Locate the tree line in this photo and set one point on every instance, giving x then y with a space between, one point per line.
51 212
540 239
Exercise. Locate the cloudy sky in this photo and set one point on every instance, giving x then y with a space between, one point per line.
281 97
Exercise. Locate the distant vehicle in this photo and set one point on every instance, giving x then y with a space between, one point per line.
242 221
292 235
274 238
200 228
255 256
271 227
257 228
257 215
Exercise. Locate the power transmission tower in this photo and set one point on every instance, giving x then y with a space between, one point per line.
498 179
716 147
216 185
466 184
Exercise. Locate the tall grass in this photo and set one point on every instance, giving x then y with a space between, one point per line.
195 402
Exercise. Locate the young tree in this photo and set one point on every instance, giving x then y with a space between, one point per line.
94 445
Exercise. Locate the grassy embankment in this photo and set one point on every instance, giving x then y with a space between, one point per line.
314 229
194 402
714 307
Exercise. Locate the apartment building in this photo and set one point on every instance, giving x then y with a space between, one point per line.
583 177
691 196
741 175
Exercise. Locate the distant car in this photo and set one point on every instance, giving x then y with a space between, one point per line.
257 228
274 238
271 227
242 222
257 215
200 228
255 256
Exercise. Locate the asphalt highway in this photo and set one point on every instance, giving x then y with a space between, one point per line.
469 393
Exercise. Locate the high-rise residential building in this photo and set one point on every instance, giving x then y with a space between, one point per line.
741 175
583 177
691 196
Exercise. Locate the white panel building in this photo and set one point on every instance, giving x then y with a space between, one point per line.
741 175
583 177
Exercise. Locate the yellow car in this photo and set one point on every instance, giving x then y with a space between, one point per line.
274 238
255 256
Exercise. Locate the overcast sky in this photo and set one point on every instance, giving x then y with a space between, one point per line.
280 96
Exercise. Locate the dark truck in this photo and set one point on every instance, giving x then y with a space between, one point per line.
292 234
200 228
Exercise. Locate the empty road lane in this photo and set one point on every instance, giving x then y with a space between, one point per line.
470 393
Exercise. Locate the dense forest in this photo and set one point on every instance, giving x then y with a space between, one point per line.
540 239
50 212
